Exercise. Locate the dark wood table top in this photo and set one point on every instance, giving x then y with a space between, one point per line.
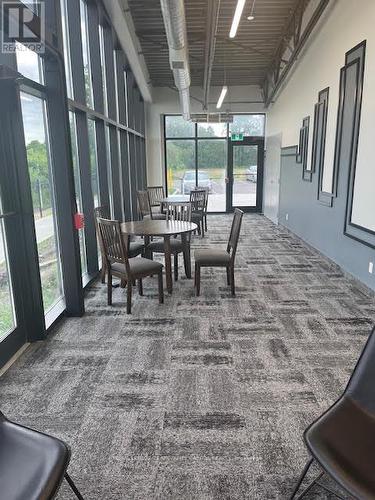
157 227
178 198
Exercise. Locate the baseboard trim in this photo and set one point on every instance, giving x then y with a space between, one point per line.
14 358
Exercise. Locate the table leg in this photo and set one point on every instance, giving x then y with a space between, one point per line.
168 263
186 252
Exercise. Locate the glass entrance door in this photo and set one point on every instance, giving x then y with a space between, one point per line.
245 174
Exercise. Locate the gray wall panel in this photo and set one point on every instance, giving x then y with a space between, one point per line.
319 225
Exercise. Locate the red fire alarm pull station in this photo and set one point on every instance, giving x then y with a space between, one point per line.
79 221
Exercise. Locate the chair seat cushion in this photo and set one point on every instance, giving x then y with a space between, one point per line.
158 246
32 464
155 217
343 442
212 257
135 248
138 265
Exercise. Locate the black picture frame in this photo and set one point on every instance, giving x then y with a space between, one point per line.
355 58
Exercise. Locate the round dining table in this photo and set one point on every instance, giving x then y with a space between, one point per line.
164 228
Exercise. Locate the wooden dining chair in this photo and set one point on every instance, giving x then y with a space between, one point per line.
198 204
135 247
156 194
120 265
176 212
144 207
103 213
213 257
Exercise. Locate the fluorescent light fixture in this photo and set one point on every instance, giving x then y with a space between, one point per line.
250 18
223 93
237 18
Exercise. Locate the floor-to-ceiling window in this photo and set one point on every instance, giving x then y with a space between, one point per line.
86 54
196 155
71 135
7 312
99 78
78 189
35 124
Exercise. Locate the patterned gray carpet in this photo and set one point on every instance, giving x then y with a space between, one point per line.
199 398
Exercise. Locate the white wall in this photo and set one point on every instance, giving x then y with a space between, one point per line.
241 99
345 25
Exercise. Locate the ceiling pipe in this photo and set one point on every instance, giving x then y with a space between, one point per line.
213 8
175 27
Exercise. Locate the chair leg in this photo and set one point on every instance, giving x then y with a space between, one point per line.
202 227
140 287
232 281
129 297
69 480
205 223
301 478
123 283
160 285
103 272
228 276
197 280
175 265
109 288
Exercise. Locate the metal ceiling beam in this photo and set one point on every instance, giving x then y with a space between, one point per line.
213 8
293 39
251 48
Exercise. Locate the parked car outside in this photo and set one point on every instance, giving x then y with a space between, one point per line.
188 181
252 173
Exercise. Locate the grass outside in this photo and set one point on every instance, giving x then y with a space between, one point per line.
51 289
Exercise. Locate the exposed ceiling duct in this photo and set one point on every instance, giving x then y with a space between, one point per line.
175 27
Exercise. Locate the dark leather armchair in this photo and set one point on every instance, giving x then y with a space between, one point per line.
32 464
342 440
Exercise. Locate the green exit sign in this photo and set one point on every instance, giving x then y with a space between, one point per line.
237 137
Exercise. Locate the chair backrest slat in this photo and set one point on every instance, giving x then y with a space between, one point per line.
114 245
144 206
198 200
102 213
156 194
235 232
179 212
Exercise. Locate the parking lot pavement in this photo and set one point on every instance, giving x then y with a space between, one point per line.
218 187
